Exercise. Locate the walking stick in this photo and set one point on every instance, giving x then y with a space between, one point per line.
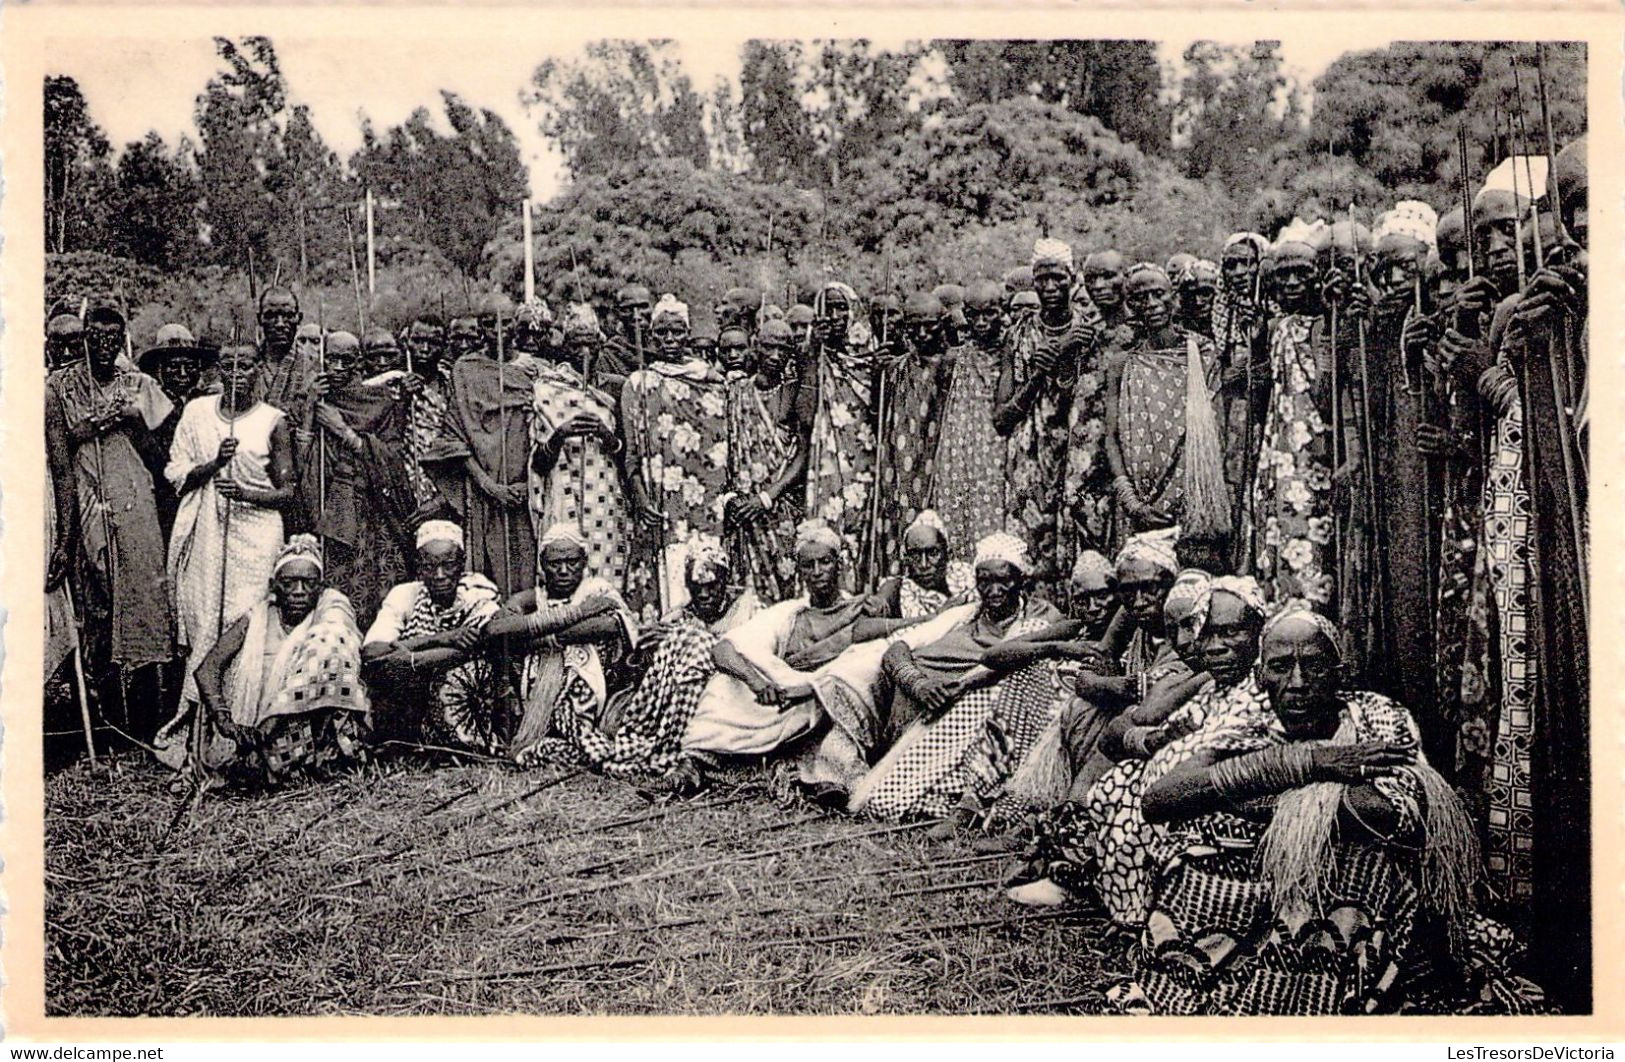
1566 443
502 461
79 676
1367 444
646 461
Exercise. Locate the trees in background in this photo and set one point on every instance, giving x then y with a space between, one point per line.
897 165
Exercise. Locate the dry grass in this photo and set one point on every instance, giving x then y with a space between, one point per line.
405 889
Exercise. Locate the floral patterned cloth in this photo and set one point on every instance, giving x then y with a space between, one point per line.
1151 422
674 420
426 422
841 465
1292 492
761 444
906 465
968 490
1036 462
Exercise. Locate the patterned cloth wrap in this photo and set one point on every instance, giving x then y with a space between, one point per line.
465 703
1219 940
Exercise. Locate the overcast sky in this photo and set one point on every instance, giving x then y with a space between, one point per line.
144 84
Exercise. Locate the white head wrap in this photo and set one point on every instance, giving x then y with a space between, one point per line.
1200 587
563 531
707 561
927 518
1412 219
1312 235
1324 625
1092 571
1201 269
300 548
1003 546
669 305
1050 251
1154 547
817 532
1252 239
439 531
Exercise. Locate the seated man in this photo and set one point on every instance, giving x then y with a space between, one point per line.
1105 836
567 638
929 583
762 695
951 700
641 733
281 689
424 656
1313 857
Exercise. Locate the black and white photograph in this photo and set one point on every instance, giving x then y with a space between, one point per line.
812 525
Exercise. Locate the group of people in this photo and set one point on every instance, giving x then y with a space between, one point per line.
1246 595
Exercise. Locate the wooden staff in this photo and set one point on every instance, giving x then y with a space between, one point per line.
581 471
372 256
1366 442
502 464
530 254
646 462
79 677
321 436
355 271
1557 352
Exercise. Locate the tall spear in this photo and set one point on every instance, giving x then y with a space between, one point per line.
372 257
1366 441
530 255
355 271
581 483
647 459
1528 171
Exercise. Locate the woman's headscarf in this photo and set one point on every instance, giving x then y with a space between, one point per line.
1154 547
707 561
299 548
1199 587
439 531
1003 546
669 306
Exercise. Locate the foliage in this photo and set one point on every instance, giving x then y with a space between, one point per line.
452 191
1118 82
77 173
1234 106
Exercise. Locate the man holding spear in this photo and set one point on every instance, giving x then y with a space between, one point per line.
97 414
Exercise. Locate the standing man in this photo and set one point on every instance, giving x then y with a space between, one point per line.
64 341
1033 410
915 382
179 366
969 486
97 418
620 357
482 461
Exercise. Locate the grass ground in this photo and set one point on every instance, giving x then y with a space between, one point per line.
411 889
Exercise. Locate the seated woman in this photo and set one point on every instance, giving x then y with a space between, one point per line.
1104 675
1102 840
929 583
950 700
281 689
761 696
424 657
641 734
1083 743
567 636
1313 852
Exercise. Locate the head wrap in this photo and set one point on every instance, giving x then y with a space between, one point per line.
1252 239
1200 269
1321 623
1153 547
670 306
1410 219
1200 587
846 292
533 314
1003 546
1144 268
299 548
707 561
563 531
816 532
1091 571
439 531
580 319
1310 236
1048 251
1186 596
927 518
